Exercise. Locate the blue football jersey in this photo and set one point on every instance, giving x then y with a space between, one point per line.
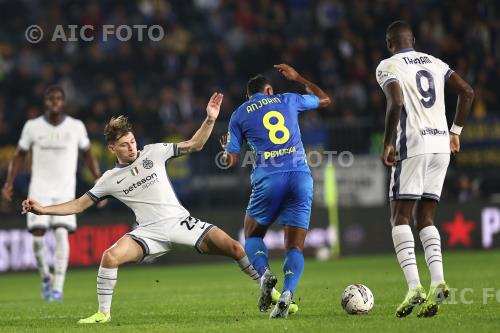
270 126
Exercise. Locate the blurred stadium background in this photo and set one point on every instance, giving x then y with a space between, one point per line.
216 45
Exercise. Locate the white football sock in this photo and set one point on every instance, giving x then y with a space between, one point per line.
404 245
61 258
39 250
248 269
431 242
106 281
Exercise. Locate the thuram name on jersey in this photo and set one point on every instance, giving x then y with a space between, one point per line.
417 60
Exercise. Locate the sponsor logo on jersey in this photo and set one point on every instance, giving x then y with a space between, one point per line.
144 183
119 181
134 171
147 164
382 75
279 152
433 131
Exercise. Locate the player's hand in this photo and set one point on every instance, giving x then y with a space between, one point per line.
102 203
223 142
388 156
454 143
7 191
32 206
288 71
213 106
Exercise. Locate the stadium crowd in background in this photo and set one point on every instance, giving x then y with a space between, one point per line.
215 44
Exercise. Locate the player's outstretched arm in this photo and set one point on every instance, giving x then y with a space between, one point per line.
201 136
464 103
68 208
291 74
14 166
394 97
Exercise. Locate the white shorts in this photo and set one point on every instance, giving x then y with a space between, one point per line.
159 238
420 176
46 222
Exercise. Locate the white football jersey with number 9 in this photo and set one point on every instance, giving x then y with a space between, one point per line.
422 128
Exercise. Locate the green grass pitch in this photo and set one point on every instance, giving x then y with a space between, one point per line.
218 298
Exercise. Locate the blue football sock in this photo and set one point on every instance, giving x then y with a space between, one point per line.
293 268
257 253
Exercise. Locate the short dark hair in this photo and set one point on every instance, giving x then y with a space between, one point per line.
53 88
398 27
116 128
257 84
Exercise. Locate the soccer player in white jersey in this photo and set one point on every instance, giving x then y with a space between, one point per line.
54 140
140 181
413 83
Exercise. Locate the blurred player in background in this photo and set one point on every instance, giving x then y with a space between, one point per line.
55 140
413 83
282 185
140 181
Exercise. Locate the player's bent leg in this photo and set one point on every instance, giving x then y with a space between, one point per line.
293 268
125 250
404 246
60 263
431 243
41 262
219 243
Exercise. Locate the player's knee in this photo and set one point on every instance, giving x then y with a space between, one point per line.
109 259
401 219
425 222
237 250
38 232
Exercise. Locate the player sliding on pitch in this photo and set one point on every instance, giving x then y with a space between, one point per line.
282 185
413 83
140 181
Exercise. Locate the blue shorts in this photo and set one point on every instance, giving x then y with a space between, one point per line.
285 195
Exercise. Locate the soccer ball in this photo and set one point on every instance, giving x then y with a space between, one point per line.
357 299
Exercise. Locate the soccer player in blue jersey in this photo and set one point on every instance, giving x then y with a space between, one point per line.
282 185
